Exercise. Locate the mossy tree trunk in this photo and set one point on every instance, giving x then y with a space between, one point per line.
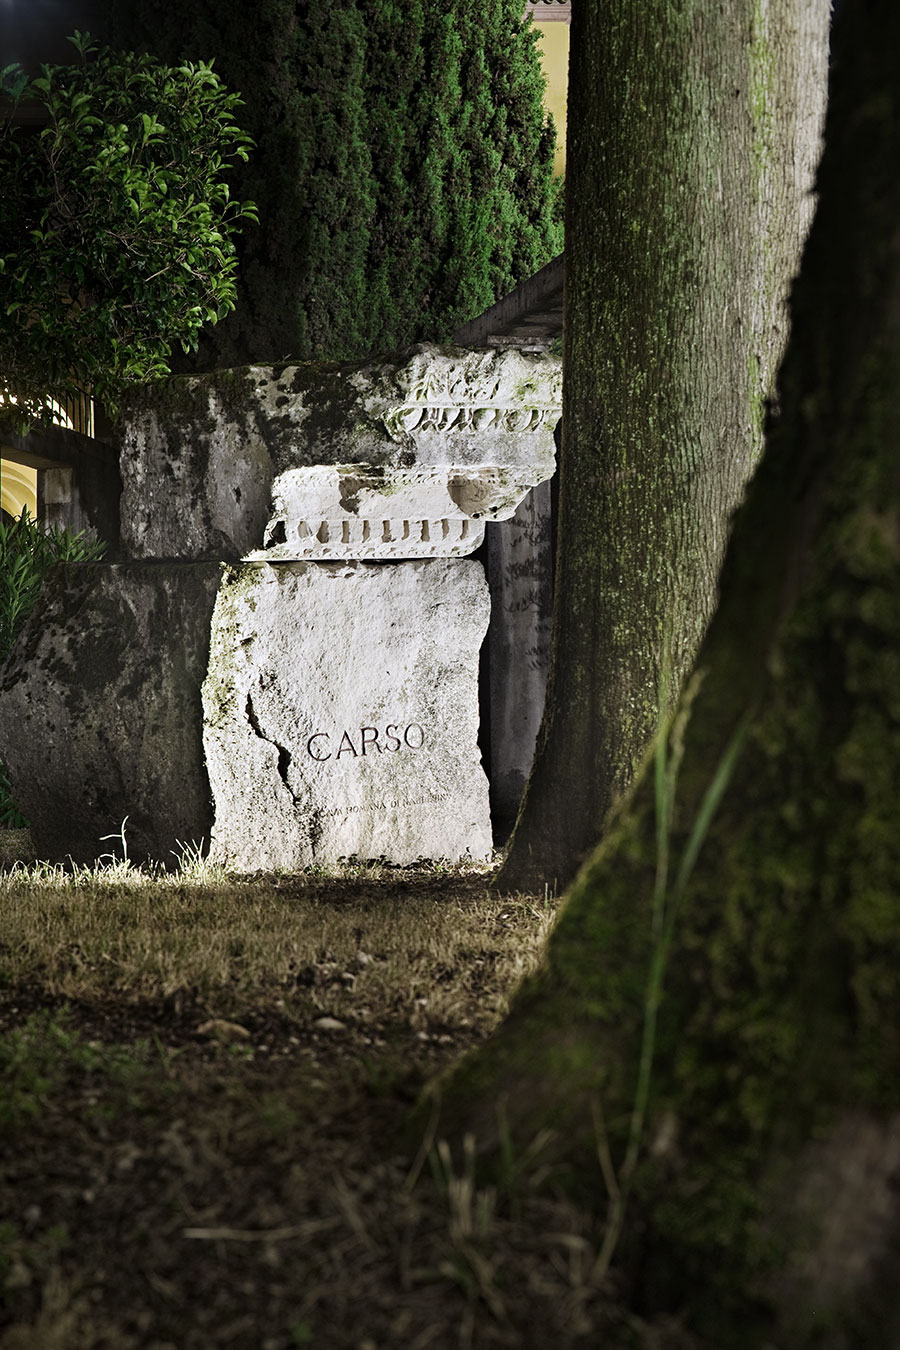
764 1207
693 135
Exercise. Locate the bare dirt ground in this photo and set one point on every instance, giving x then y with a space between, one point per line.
222 1161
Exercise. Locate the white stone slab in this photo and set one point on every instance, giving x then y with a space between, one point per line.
350 511
341 713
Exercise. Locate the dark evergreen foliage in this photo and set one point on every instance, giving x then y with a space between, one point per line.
404 165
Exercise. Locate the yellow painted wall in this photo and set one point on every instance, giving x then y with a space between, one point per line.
553 47
18 488
18 483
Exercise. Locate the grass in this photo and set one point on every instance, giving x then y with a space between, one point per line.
386 943
40 1060
205 1079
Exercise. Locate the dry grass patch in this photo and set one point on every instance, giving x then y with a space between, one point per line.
206 1078
432 946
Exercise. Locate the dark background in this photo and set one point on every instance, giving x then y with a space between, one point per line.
33 31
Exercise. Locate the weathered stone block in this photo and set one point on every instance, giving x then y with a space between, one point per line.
341 713
100 714
390 459
350 511
520 576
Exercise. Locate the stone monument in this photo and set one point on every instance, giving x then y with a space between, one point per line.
335 683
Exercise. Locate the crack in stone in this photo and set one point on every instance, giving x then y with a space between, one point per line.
284 755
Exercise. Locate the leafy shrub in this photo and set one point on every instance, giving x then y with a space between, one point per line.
116 224
27 552
404 164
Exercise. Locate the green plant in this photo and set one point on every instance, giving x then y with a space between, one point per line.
11 817
116 223
46 1058
404 170
27 552
667 899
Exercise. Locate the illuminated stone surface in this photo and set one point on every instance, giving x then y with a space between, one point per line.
341 713
332 503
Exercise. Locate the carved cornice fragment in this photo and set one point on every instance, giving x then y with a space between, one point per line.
405 457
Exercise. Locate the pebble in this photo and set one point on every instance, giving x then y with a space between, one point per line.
223 1030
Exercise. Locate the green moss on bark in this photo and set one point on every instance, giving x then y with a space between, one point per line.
682 238
764 1207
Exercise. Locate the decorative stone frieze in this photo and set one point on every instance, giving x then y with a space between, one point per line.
347 511
396 459
549 11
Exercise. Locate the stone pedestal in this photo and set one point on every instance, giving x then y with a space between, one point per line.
341 713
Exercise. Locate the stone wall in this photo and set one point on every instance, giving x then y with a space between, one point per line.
295 541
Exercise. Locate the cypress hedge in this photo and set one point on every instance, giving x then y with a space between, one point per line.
403 170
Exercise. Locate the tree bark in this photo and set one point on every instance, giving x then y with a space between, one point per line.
763 1199
694 132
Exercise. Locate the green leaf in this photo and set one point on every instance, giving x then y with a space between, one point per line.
13 81
119 251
